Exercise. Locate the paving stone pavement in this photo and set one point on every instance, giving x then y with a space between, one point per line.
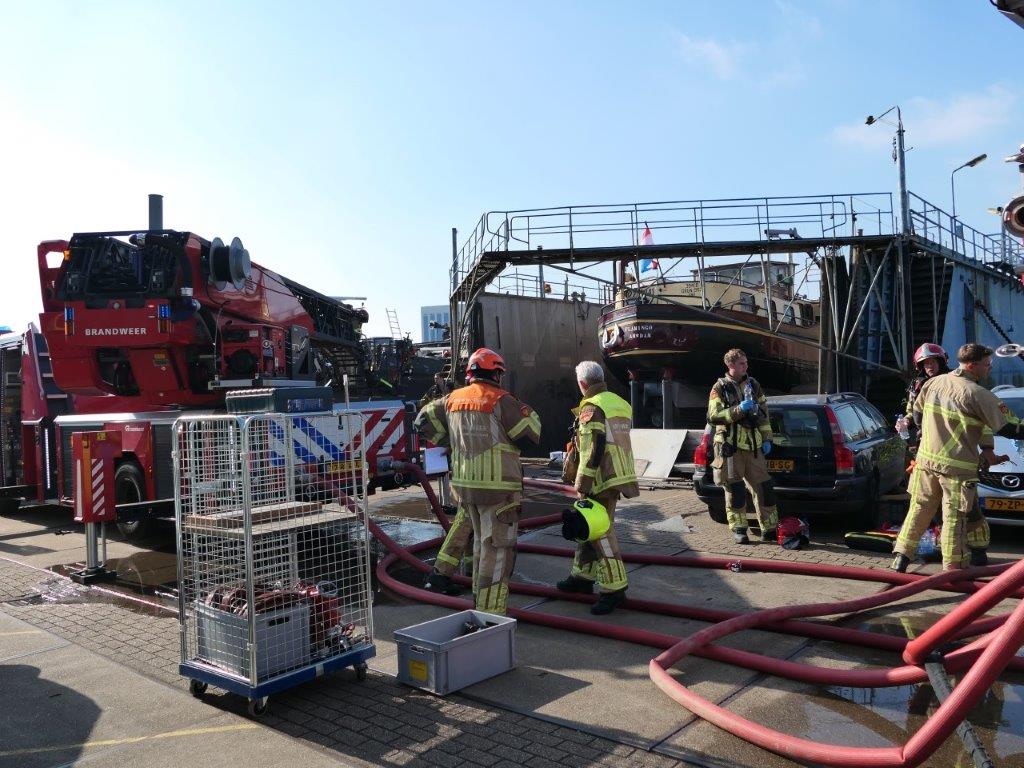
377 722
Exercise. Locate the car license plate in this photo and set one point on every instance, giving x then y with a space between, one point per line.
1004 505
780 465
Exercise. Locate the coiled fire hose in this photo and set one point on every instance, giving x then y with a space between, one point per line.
983 660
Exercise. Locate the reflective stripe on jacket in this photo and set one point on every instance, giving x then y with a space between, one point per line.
957 415
479 424
603 413
732 425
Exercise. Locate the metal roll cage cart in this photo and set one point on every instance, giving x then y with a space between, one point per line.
273 550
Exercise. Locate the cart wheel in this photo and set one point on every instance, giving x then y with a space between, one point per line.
258 707
361 669
197 687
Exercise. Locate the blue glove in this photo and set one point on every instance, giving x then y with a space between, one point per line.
748 406
766 447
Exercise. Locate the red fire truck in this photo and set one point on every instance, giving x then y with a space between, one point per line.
139 326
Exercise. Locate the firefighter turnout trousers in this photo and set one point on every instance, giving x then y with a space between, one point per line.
928 492
455 543
494 552
743 473
600 560
978 534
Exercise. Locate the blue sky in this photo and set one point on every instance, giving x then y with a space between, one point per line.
342 142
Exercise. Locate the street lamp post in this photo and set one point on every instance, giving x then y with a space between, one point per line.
952 185
901 164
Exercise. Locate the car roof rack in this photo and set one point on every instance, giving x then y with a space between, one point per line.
838 397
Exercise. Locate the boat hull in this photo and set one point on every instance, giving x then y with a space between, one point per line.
648 340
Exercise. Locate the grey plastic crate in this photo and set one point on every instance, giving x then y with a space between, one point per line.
436 656
282 639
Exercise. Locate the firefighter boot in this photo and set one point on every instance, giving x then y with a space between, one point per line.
900 563
769 536
979 557
441 584
608 602
740 536
576 584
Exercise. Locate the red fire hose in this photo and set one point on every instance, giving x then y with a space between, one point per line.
984 659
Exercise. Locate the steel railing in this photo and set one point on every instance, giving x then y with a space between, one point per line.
931 223
674 222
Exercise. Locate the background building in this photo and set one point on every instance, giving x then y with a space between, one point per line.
437 314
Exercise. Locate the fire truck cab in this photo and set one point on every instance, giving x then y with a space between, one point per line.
139 327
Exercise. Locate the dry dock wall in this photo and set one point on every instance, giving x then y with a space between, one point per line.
541 340
998 319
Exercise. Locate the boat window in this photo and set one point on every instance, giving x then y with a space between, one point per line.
796 427
747 303
789 316
724 275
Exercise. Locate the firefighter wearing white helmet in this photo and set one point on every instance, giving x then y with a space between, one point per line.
485 428
930 360
600 466
956 415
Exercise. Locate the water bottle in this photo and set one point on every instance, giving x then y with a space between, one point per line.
901 428
748 394
926 547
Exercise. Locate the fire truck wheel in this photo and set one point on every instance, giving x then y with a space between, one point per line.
129 487
197 688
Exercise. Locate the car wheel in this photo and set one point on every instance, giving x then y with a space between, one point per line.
869 516
129 487
718 514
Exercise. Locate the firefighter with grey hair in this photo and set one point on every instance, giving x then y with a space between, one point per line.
599 463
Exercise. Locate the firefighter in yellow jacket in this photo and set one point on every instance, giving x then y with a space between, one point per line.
956 415
600 466
743 438
485 428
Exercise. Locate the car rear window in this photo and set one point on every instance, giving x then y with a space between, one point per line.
850 422
872 419
796 427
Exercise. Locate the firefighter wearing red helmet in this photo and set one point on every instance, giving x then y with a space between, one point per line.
485 428
957 415
930 360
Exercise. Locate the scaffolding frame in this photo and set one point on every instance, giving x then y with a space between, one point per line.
855 240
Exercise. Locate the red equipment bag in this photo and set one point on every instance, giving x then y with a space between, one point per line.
793 533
